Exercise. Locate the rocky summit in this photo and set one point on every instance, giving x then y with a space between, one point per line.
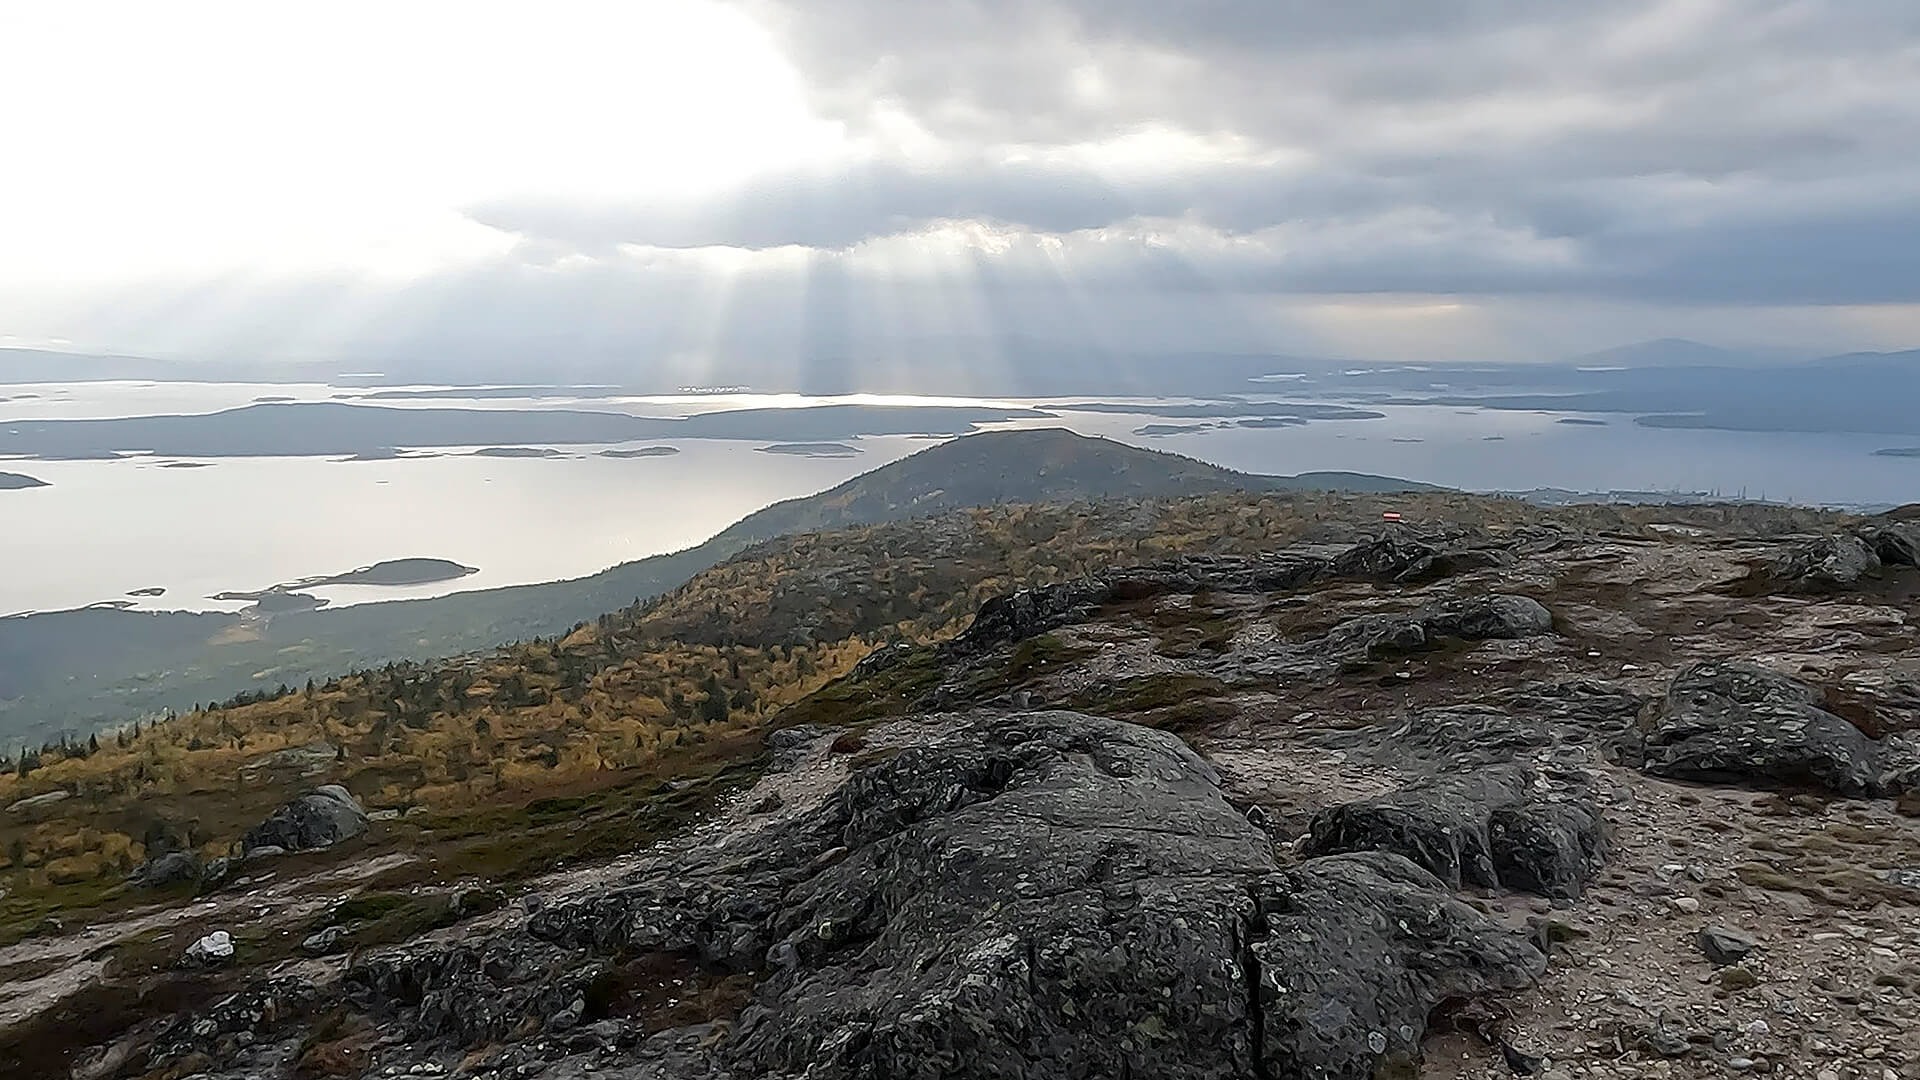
1440 799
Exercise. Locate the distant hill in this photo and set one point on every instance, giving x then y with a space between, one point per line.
1663 352
1045 465
1681 352
328 428
77 670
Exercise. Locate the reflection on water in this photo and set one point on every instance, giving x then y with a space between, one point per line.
105 529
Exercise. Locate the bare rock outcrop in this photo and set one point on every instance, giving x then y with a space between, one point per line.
1003 895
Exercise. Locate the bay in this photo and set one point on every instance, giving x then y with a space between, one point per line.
104 529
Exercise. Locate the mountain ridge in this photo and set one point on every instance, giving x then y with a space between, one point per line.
51 663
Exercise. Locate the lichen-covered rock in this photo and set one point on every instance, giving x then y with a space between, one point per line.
1500 827
1395 557
1001 895
1354 952
171 868
1895 543
319 819
1824 564
1485 618
1378 636
1733 722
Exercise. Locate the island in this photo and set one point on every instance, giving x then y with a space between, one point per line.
288 595
151 590
1158 430
1899 451
335 429
1274 422
818 450
393 572
186 464
10 481
387 453
1581 421
642 452
1235 407
519 452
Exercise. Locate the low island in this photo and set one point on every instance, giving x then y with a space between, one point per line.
10 481
395 572
819 450
287 596
519 452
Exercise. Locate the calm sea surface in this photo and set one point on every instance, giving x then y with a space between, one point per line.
106 527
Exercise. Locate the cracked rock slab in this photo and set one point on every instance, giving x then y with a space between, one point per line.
1010 895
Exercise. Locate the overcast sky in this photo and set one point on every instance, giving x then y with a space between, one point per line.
1380 179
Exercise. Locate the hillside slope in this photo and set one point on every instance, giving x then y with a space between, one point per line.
76 671
1575 769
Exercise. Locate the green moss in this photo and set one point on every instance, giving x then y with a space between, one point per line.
25 910
1039 654
851 701
369 905
513 843
1171 701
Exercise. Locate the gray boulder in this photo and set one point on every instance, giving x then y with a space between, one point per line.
320 819
1734 722
1896 543
1824 564
170 868
1484 618
1497 827
1374 637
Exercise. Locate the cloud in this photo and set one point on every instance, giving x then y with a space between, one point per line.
1125 171
836 209
1680 150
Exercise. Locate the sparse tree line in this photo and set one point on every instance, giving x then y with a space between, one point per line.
726 651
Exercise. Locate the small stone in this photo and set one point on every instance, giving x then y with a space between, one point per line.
1686 905
323 942
215 948
1668 1043
1738 978
1725 945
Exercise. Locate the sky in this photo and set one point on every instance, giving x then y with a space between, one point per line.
667 181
